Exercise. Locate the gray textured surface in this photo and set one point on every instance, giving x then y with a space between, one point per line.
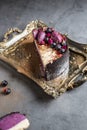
68 112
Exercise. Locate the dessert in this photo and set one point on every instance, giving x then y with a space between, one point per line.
14 121
21 53
53 51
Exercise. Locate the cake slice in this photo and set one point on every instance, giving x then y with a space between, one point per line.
53 52
14 121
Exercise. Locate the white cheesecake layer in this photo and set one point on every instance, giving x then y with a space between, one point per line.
21 125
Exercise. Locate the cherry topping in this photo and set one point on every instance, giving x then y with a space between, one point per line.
51 37
64 47
50 41
48 34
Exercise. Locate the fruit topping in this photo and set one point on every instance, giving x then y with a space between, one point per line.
48 34
50 37
50 41
41 36
49 30
53 45
35 32
63 50
46 40
58 47
60 37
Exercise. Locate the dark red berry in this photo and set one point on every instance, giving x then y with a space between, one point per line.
48 34
4 83
64 47
6 91
40 29
50 41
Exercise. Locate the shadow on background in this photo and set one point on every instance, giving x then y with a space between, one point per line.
36 90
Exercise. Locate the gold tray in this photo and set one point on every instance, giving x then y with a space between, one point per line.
16 48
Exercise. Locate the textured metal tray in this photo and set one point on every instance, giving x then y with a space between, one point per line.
15 50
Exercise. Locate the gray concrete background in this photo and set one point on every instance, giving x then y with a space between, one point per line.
68 112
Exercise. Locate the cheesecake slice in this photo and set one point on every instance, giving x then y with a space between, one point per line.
53 51
14 121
